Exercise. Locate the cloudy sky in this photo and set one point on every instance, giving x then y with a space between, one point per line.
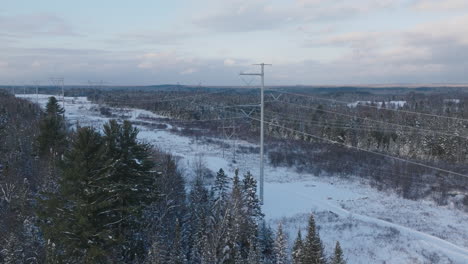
309 42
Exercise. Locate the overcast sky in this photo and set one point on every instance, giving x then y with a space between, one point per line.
309 42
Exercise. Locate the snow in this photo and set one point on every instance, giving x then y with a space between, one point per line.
455 101
389 104
372 226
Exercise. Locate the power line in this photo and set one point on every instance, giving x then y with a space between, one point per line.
371 106
369 168
373 120
338 124
168 100
204 120
361 149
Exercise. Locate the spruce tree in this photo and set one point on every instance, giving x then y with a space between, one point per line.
266 243
312 246
221 185
71 217
297 249
237 244
129 187
52 136
281 254
338 255
198 212
252 209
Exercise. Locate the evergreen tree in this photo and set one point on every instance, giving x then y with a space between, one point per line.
129 187
253 256
221 185
338 255
281 254
198 212
266 243
297 249
312 246
234 240
52 134
170 208
53 107
71 217
252 209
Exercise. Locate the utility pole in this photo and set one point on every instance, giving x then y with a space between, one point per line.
262 106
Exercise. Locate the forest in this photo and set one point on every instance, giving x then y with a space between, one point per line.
335 131
82 195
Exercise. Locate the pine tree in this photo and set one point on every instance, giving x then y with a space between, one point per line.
251 198
297 249
252 210
281 255
52 136
312 246
338 255
170 208
235 241
221 185
198 212
266 243
71 217
129 186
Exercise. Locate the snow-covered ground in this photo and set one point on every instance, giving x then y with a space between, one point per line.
372 226
389 104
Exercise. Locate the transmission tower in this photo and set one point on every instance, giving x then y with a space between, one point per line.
262 106
36 84
229 132
59 82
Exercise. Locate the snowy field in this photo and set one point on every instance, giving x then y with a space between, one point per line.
372 226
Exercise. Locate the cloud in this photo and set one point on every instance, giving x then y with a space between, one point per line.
189 71
150 37
438 5
253 16
428 52
246 16
229 62
33 25
348 39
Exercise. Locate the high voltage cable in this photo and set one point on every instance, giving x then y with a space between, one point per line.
204 120
401 175
171 99
286 117
361 149
373 120
370 106
368 129
339 125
